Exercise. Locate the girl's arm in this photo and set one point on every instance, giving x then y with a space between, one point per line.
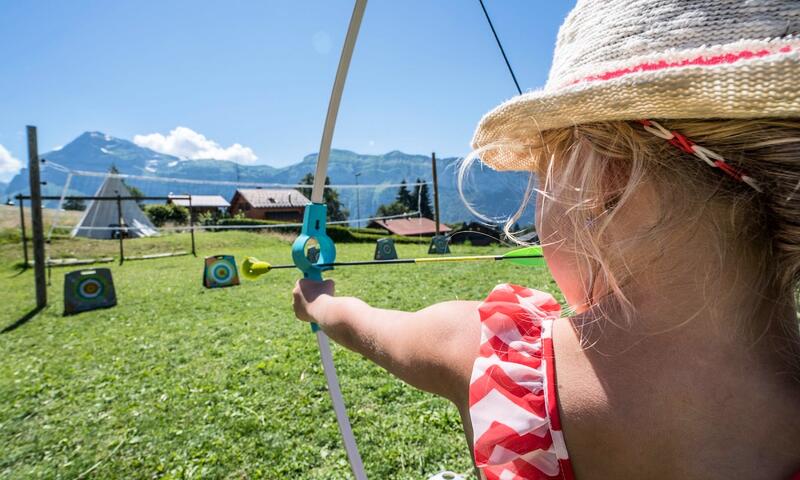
432 349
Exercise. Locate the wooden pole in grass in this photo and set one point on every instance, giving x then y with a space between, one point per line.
120 231
20 200
191 224
435 192
36 218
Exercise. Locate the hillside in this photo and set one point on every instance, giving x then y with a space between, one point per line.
493 193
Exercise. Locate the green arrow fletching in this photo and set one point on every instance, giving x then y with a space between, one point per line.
527 256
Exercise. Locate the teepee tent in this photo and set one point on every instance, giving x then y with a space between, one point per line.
101 219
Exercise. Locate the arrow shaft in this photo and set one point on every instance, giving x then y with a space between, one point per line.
474 258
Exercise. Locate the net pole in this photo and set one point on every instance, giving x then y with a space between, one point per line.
36 218
119 229
21 201
191 224
435 192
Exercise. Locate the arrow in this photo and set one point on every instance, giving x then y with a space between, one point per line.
253 268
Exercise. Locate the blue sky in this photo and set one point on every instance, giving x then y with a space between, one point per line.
259 73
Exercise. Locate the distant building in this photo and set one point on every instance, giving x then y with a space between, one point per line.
214 204
409 227
285 205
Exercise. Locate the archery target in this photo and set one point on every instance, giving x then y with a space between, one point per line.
439 245
90 288
87 290
312 254
384 249
220 271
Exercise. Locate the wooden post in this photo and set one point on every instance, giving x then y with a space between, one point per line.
191 224
120 231
435 192
22 227
36 218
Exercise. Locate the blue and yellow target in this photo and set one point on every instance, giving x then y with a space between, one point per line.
220 271
87 290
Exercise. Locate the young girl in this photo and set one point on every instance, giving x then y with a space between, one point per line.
667 149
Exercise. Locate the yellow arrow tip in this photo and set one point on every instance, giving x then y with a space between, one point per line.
253 268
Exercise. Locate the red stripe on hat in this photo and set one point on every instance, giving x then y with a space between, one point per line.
722 59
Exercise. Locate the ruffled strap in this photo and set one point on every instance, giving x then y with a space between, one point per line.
509 405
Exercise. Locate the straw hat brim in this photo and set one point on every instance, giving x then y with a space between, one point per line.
756 87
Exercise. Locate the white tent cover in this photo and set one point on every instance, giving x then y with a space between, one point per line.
101 219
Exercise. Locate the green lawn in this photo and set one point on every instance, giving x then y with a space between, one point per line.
182 382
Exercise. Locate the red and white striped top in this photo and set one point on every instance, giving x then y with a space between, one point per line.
512 394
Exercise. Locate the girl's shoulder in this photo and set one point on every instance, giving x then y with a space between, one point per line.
626 400
542 398
512 396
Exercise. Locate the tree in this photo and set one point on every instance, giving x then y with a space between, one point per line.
391 209
404 202
74 204
404 196
336 212
422 200
135 192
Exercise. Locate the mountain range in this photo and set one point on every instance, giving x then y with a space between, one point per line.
494 194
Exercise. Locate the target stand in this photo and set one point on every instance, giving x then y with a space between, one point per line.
384 249
88 290
220 271
439 245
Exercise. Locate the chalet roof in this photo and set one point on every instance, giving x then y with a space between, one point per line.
411 226
200 201
266 198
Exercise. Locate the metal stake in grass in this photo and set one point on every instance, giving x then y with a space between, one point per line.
253 268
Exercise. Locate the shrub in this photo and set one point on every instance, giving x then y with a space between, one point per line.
160 214
179 215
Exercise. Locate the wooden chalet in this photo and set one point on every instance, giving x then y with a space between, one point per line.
284 205
214 204
410 227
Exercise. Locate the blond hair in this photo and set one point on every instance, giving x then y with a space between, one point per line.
596 169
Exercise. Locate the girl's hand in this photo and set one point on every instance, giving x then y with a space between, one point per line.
311 298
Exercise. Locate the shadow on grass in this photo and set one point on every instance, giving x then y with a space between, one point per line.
22 321
21 267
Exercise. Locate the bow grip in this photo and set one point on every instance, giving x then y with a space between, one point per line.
314 228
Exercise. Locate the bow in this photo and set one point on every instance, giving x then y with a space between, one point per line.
314 228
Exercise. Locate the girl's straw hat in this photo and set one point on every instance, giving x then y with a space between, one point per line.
644 59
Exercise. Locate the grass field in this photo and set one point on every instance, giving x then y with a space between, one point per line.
178 381
9 217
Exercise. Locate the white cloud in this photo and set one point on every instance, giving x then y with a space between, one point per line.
9 166
184 142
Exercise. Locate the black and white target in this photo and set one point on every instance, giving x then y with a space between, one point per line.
220 271
88 290
385 250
